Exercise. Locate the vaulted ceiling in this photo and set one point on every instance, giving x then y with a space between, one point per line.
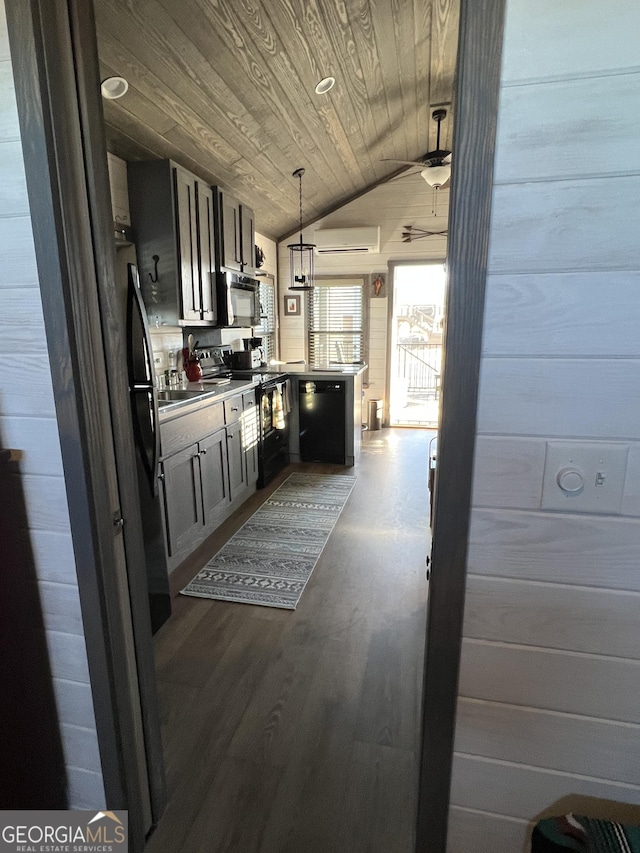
226 88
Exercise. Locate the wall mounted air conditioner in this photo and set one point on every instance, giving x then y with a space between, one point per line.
348 241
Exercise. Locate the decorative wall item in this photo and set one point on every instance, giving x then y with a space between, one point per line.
412 232
378 285
259 257
291 306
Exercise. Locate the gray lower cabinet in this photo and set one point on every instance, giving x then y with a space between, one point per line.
180 477
215 478
208 479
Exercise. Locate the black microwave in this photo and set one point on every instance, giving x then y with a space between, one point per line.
238 299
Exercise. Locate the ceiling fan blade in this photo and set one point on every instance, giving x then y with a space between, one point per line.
406 162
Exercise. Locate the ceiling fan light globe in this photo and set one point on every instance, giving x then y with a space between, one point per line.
436 176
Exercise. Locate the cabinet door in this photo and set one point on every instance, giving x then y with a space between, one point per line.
183 501
248 239
230 236
236 459
215 481
186 232
207 255
250 435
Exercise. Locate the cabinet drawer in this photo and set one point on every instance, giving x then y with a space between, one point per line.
232 410
180 432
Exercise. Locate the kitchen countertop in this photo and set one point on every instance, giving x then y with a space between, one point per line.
198 394
307 369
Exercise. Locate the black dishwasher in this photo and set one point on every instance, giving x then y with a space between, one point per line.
322 421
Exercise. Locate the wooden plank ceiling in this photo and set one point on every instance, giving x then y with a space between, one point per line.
226 88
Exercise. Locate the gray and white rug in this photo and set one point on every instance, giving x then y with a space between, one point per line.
270 559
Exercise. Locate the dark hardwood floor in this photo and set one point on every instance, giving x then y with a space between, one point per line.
298 731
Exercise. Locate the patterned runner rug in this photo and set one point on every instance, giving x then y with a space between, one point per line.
270 559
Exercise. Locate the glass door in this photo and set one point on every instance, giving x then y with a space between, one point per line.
416 344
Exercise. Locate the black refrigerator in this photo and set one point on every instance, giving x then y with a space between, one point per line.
144 410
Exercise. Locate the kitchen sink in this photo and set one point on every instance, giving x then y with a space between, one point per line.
177 394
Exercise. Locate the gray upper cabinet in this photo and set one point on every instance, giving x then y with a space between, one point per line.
235 230
173 222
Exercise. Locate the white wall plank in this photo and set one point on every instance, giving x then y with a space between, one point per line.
560 397
46 502
586 550
53 553
560 226
508 472
60 604
553 314
74 702
9 128
12 180
68 656
85 789
530 133
547 39
478 832
580 745
553 616
547 678
39 441
17 253
519 791
80 747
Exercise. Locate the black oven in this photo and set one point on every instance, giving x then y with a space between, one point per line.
274 407
238 299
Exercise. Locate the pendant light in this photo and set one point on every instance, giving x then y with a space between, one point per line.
301 253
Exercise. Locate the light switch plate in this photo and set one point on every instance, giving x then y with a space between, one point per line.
584 476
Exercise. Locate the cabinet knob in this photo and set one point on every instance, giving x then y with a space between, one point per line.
234 408
230 435
203 452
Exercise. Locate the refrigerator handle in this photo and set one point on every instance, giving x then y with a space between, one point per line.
137 312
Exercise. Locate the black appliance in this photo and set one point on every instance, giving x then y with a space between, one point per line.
144 409
322 421
273 399
238 299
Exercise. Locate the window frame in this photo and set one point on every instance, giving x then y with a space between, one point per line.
356 279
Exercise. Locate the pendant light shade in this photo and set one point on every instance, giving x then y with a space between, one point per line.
301 254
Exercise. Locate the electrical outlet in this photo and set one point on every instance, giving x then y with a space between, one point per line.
584 476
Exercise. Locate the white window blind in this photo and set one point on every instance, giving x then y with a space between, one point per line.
267 328
336 322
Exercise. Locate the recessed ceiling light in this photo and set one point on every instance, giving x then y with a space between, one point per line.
113 87
325 85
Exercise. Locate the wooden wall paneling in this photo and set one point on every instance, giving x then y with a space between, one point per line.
527 235
81 747
21 323
75 702
215 123
538 143
520 791
32 399
16 250
575 683
46 500
485 833
590 398
565 742
273 103
422 19
552 615
9 129
14 195
316 38
68 656
508 472
61 608
53 553
85 788
445 19
552 314
631 497
537 44
587 550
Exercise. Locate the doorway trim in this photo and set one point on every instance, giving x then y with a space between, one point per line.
477 87
54 57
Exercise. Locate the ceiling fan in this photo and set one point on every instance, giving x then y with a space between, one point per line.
435 165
